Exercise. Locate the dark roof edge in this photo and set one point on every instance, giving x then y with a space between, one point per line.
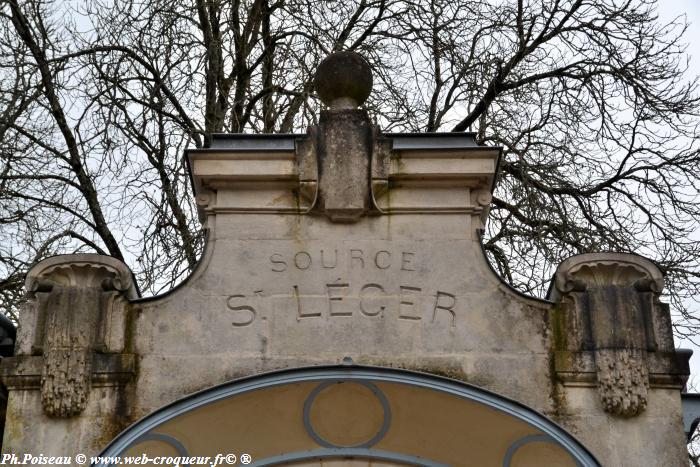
285 141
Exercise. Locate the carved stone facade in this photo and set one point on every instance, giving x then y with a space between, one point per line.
351 247
615 330
73 331
623 380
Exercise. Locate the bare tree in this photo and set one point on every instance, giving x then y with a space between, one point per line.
589 98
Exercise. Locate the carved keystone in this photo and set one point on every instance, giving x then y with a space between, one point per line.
76 307
611 307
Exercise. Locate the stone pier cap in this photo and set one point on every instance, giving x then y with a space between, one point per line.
73 332
613 331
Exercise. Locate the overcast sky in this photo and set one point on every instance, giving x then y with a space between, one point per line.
668 9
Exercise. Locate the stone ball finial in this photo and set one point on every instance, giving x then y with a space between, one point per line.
343 80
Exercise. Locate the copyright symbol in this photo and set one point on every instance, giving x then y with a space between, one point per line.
246 459
80 458
230 459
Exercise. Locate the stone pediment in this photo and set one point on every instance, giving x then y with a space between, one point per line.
347 244
301 267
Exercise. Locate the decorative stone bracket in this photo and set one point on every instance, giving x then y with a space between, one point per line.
611 330
72 331
344 172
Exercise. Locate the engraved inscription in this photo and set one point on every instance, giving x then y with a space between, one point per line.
278 264
385 261
371 300
302 260
300 314
445 301
354 258
357 255
333 292
366 298
333 262
246 314
407 261
340 298
407 305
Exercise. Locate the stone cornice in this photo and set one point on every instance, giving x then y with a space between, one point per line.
251 174
82 270
613 331
606 269
77 311
24 372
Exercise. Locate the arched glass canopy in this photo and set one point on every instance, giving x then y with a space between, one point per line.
351 416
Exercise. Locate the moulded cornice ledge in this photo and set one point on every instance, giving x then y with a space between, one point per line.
82 270
606 269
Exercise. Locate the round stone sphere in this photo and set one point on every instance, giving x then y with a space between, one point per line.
343 79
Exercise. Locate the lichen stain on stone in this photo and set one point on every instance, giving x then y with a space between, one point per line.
294 231
400 166
437 369
122 417
556 325
557 321
201 385
296 196
109 431
132 314
13 427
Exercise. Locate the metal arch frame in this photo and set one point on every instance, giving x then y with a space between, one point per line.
551 430
179 447
386 422
513 448
362 453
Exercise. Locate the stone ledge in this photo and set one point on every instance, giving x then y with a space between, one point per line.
666 369
24 372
